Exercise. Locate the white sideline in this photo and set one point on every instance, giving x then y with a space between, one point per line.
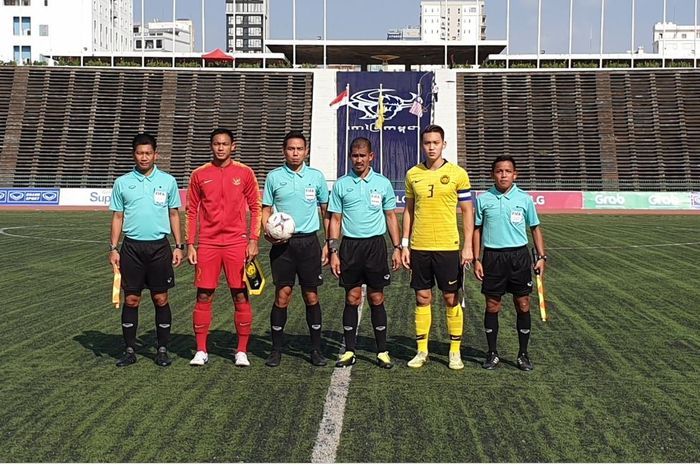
328 438
3 231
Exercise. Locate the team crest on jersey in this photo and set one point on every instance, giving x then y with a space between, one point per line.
445 179
236 181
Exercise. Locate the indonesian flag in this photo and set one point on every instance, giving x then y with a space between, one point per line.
340 100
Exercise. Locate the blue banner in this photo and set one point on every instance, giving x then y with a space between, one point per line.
29 196
407 104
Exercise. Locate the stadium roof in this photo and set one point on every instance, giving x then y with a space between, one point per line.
364 52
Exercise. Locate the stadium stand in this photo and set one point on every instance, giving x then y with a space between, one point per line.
584 130
569 129
71 127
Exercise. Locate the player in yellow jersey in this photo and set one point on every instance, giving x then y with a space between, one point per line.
434 189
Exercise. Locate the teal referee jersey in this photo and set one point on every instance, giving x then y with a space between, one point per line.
362 202
297 193
505 217
146 202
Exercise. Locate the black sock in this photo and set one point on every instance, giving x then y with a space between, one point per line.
278 318
350 326
491 328
313 319
164 319
130 323
523 325
379 325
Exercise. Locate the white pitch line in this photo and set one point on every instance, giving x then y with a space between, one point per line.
328 438
3 231
634 246
331 426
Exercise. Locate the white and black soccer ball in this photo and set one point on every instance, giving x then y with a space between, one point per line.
280 226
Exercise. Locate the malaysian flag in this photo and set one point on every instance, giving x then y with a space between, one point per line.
417 107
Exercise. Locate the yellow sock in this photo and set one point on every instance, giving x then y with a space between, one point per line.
423 317
455 323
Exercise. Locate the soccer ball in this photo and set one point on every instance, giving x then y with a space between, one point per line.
280 226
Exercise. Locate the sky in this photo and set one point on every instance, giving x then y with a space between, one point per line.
371 19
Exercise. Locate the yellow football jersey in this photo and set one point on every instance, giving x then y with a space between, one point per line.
436 194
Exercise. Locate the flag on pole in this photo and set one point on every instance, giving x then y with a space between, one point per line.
116 286
340 100
540 289
380 111
417 107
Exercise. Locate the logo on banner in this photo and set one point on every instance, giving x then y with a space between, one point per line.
367 102
664 200
695 200
538 199
32 196
3 196
609 199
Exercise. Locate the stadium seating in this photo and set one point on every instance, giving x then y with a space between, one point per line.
72 127
583 130
569 129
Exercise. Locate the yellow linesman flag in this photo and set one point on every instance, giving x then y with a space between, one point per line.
540 289
540 297
380 111
116 286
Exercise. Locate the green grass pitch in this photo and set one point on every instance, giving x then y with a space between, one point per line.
616 376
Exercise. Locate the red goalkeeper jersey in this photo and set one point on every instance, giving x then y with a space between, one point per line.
218 198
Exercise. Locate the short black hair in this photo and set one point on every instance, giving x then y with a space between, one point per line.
361 142
218 131
433 128
143 138
293 135
501 158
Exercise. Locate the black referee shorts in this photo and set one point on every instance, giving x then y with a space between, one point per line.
429 267
507 270
364 261
299 256
146 264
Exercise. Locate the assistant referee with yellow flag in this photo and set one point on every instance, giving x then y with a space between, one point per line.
145 205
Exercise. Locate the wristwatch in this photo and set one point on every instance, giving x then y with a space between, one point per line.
542 257
398 246
332 250
113 247
180 246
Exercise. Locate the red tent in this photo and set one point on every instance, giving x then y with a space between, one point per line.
217 55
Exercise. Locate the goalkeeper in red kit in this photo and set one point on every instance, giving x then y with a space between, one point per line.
218 197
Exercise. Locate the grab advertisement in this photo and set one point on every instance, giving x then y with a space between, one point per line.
637 200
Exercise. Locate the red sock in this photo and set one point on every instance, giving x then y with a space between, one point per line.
201 320
243 318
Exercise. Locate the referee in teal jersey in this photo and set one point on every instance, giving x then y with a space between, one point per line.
362 205
299 190
503 214
145 206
